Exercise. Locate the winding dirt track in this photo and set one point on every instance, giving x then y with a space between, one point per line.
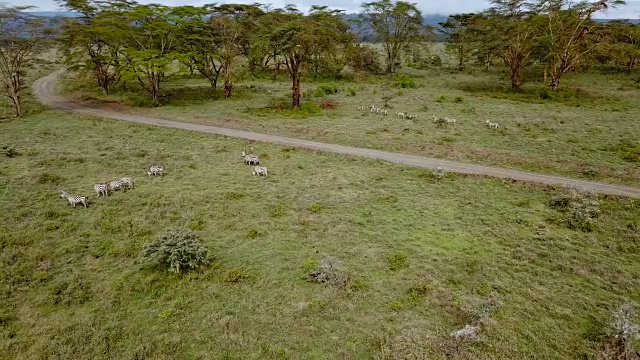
44 89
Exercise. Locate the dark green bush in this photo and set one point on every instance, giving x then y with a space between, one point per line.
404 82
177 250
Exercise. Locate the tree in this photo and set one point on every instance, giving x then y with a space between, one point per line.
150 35
624 44
21 37
89 45
297 37
457 29
509 23
397 25
228 24
569 33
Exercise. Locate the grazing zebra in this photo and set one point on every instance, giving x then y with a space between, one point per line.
250 159
74 199
155 170
360 108
491 124
373 109
401 114
260 171
384 112
128 182
101 189
449 121
117 184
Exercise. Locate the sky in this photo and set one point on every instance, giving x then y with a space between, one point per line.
629 11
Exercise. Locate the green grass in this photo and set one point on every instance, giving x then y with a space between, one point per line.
72 285
569 133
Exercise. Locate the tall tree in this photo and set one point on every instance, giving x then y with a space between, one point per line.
21 37
89 45
509 22
569 33
624 43
150 34
297 37
397 25
459 37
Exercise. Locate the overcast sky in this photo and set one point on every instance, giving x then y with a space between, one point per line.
631 10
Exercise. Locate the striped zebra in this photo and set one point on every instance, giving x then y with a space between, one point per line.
74 199
101 189
128 182
260 171
117 184
250 159
155 170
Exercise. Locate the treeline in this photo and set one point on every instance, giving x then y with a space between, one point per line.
559 35
121 42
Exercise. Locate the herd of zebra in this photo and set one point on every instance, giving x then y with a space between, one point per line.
251 159
103 189
437 120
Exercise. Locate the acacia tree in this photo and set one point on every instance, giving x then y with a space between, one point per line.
88 44
459 37
297 37
397 25
569 33
228 26
21 37
150 34
624 43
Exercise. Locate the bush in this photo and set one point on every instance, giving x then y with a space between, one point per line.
352 92
398 260
323 90
404 82
581 208
458 99
331 272
9 151
436 61
177 250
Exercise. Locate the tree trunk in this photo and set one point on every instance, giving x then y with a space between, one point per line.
555 82
391 62
295 90
228 89
214 83
14 95
544 75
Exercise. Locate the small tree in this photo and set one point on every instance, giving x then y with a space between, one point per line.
177 250
21 36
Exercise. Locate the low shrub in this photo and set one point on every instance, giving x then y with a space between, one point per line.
176 250
405 82
398 260
331 272
352 92
327 89
580 209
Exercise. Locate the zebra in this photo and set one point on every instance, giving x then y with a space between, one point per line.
401 114
360 108
155 170
74 199
250 159
491 124
450 120
260 171
128 182
101 189
116 184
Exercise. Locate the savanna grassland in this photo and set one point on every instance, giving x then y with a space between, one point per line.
425 256
588 130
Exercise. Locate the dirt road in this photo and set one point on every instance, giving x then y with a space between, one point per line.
44 89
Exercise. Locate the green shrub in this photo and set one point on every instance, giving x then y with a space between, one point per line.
398 260
327 89
308 108
352 92
47 178
580 209
177 250
441 99
436 60
316 208
255 233
236 275
458 99
404 82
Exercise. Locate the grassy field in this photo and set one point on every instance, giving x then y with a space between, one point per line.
72 285
589 131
